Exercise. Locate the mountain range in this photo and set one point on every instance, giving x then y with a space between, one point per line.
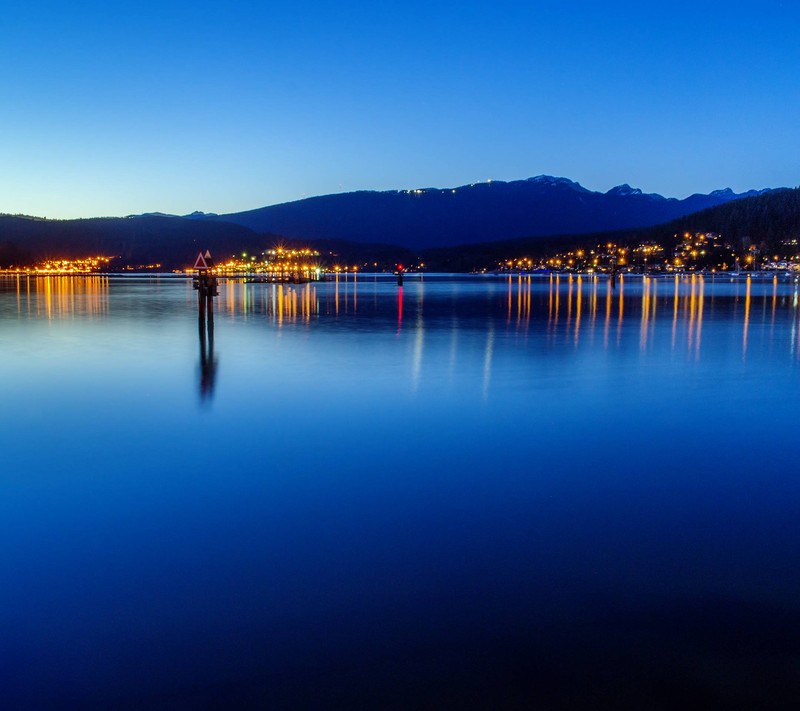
481 212
367 225
770 221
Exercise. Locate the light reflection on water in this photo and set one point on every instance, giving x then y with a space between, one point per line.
462 489
570 315
56 297
576 305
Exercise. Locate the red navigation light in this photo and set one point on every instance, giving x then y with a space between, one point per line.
399 267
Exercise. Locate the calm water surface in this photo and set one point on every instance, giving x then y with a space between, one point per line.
466 492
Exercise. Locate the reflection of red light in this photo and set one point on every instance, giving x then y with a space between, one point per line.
399 306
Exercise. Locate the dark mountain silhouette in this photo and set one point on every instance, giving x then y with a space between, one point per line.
470 214
771 221
170 241
768 218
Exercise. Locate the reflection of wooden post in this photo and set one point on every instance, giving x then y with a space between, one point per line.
206 285
613 273
201 328
210 315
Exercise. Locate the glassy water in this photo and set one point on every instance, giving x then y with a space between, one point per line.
492 492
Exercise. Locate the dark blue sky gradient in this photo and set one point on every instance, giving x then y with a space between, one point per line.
111 109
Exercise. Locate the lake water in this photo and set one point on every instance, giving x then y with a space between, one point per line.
492 492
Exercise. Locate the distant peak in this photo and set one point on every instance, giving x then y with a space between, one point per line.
728 194
153 214
624 190
554 180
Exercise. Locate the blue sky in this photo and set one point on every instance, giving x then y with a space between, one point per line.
120 108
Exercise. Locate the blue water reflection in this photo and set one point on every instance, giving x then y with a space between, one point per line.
464 491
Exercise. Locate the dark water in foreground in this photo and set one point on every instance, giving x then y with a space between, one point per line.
468 493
